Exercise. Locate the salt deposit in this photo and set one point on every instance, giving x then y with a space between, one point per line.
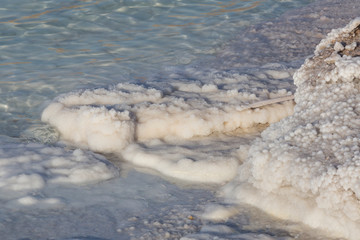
38 166
170 93
115 120
306 167
307 161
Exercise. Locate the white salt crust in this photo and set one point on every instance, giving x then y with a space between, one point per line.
116 120
38 166
307 166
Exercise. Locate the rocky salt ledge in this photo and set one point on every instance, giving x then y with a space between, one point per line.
307 166
146 125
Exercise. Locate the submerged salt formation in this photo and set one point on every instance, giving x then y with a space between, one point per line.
307 166
108 120
37 167
157 128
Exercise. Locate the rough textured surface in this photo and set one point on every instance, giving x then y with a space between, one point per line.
339 46
292 36
306 167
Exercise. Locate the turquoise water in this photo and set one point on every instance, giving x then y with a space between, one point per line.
52 47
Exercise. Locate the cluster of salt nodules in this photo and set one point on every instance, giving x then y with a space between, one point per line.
307 166
108 120
145 125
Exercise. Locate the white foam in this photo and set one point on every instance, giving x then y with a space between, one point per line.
306 167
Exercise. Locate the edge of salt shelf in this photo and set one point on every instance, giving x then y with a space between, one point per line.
269 102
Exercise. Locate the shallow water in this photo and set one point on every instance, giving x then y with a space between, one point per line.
52 47
190 66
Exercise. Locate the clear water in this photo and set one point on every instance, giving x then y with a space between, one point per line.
52 47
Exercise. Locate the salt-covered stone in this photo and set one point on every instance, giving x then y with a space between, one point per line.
306 167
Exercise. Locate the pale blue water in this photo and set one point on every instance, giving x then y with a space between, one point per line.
52 47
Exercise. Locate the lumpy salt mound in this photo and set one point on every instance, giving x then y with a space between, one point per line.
307 166
146 126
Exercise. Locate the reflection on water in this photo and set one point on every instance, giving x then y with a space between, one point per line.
228 9
37 15
12 63
178 25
